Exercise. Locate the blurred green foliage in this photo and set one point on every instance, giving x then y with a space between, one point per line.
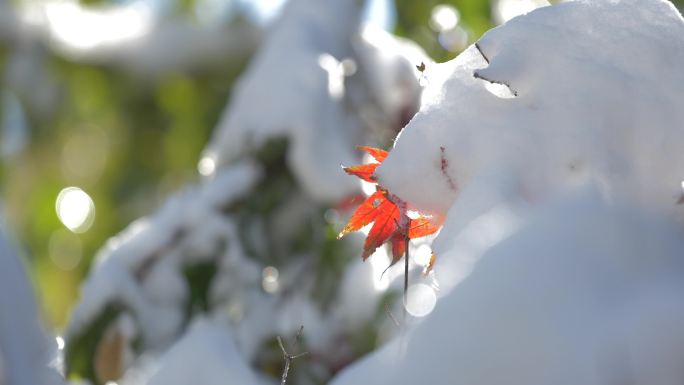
127 141
413 22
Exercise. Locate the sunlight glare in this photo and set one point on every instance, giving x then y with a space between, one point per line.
79 28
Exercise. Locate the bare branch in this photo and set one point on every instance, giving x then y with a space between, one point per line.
289 357
477 75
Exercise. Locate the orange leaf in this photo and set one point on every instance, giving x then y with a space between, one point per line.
387 212
430 265
376 153
363 171
421 227
386 224
365 214
398 247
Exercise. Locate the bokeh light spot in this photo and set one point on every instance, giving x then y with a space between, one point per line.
206 166
444 17
60 342
269 280
65 249
75 209
421 300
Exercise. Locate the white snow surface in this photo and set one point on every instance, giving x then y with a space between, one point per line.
600 90
559 261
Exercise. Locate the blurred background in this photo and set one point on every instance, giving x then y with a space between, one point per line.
105 107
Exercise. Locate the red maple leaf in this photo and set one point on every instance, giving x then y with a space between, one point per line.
387 212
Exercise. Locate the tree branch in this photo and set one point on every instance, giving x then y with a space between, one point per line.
477 75
289 357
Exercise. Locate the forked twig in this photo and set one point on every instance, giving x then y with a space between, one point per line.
289 357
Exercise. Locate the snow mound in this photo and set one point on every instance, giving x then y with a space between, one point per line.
594 298
599 93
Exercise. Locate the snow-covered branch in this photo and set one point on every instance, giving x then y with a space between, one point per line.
134 35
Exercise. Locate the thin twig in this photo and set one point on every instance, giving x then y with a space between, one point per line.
444 164
289 357
477 75
389 313
406 271
477 46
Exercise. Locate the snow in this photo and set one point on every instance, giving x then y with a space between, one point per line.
551 149
285 92
598 84
560 257
206 354
188 226
135 35
26 351
311 82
